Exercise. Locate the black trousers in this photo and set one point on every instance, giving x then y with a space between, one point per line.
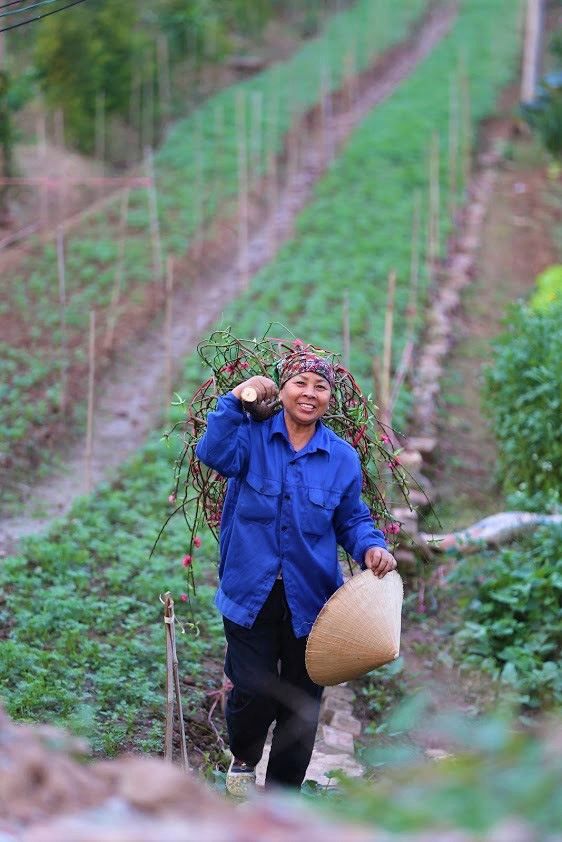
270 683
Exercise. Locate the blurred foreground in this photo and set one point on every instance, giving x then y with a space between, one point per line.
499 784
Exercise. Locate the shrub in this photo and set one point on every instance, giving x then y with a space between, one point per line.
511 625
523 395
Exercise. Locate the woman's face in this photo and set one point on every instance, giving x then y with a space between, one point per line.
305 397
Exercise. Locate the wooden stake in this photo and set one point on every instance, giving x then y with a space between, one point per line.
242 187
42 157
173 684
154 221
168 331
411 312
119 268
531 50
436 197
346 330
256 139
164 87
135 118
466 121
62 322
100 129
91 380
59 140
453 145
199 190
387 347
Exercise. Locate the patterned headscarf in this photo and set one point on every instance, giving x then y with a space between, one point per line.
300 362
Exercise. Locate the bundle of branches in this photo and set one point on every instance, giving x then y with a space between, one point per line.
199 491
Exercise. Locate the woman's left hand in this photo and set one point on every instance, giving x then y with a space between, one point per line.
379 561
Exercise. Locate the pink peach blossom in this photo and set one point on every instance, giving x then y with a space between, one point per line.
187 561
197 541
171 499
184 597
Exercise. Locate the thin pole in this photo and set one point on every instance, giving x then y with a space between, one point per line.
62 322
256 144
242 187
453 145
168 330
387 346
531 51
154 221
346 329
168 620
91 378
118 282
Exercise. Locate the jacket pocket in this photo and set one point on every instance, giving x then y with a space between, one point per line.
259 498
320 511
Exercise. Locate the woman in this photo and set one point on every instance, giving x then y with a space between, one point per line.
294 494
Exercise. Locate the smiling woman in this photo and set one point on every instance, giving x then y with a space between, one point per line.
294 494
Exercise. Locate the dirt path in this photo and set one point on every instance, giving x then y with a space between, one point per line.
130 400
517 243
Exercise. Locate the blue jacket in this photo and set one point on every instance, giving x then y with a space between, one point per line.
284 510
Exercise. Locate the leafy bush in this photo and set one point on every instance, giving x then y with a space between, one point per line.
512 626
549 288
545 112
498 777
524 397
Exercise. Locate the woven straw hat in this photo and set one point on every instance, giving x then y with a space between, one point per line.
357 630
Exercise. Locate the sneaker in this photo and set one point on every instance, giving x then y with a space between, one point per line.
240 779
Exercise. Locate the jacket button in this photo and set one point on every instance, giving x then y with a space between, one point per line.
287 496
283 529
262 490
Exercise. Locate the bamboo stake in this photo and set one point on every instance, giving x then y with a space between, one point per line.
168 331
531 50
154 221
346 329
62 322
411 311
436 197
242 187
255 143
100 128
199 190
387 346
91 379
168 620
164 87
135 118
453 146
466 121
173 684
42 157
59 140
118 282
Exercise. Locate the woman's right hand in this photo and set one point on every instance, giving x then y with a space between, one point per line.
266 389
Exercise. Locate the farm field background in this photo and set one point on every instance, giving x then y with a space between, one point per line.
81 641
196 174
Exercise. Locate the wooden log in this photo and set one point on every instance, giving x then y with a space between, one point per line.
169 731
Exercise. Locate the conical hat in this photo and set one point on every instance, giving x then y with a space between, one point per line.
357 630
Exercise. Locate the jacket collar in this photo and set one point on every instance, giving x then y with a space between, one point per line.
319 441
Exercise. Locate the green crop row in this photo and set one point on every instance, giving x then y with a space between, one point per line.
80 611
196 171
358 225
